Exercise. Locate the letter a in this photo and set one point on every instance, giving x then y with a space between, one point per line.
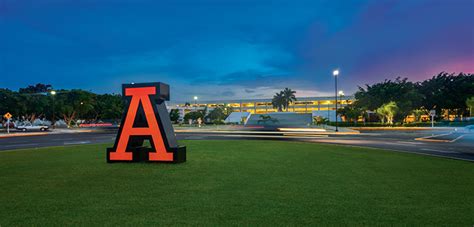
142 109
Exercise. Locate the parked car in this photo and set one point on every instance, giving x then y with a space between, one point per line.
30 127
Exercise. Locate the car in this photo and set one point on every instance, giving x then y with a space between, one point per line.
30 127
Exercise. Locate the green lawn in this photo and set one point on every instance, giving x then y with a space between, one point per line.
236 182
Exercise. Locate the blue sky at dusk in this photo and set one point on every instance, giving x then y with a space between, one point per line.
231 49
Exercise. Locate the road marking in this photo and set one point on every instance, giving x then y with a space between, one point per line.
21 145
441 151
430 138
304 135
63 139
459 137
79 142
261 132
268 136
413 143
433 136
194 137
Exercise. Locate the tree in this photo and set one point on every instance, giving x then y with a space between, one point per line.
387 112
194 115
9 102
74 104
351 112
174 115
228 110
447 91
38 88
278 101
418 113
470 105
318 120
108 106
401 91
217 115
36 105
288 97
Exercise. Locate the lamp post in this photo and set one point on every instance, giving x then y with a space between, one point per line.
341 94
335 73
53 93
195 102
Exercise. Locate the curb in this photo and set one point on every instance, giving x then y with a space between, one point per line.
23 134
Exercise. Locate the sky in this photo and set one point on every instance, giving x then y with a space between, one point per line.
229 49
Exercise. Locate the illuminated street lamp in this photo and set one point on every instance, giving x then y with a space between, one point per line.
53 93
341 93
195 101
335 73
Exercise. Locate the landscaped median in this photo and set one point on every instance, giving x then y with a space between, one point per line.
236 182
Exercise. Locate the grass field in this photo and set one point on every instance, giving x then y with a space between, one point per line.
236 182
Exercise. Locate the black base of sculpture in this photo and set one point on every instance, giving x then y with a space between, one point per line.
140 154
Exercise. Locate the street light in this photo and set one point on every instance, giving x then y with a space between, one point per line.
335 73
341 93
53 93
195 101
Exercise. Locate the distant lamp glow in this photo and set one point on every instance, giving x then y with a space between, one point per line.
341 93
335 73
53 92
195 98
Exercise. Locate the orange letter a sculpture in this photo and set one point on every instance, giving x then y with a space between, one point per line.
146 118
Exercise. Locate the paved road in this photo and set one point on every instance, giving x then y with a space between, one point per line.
459 145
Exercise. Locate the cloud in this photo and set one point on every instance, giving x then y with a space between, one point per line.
228 94
216 47
249 90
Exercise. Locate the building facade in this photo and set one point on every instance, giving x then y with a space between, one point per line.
319 106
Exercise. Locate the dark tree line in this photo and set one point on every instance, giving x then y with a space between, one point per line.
445 93
41 101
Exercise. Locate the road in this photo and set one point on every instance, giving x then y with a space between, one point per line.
449 144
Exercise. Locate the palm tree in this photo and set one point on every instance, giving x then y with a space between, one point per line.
387 111
470 104
278 101
289 97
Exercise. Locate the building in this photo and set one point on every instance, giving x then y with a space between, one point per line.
318 106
